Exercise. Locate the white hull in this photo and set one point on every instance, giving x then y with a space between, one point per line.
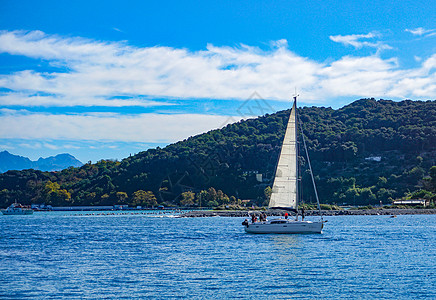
16 212
17 209
285 226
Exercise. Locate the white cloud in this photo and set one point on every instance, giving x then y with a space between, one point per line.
421 31
151 128
6 147
97 73
30 100
69 146
50 146
355 40
32 145
364 76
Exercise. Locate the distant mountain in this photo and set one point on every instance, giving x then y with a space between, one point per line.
10 161
59 162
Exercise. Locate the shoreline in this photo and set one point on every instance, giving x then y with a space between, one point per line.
356 212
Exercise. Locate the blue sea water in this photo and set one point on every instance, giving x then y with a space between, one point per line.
78 256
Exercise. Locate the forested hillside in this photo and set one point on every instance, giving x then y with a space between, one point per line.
364 153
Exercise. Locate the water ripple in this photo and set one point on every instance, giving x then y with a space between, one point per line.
71 256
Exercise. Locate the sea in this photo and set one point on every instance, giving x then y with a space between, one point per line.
140 255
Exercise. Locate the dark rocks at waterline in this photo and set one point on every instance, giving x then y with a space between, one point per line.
352 212
374 212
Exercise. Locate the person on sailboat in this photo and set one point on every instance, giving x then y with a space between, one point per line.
262 217
253 218
302 214
286 215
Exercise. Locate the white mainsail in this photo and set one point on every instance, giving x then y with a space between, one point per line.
284 191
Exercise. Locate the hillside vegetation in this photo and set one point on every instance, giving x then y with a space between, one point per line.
364 153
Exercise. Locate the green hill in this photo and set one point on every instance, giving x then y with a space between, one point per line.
364 153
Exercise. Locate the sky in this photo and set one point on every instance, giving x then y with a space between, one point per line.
106 79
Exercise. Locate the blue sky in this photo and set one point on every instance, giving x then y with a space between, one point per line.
108 79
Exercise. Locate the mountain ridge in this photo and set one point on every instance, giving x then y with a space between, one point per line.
9 161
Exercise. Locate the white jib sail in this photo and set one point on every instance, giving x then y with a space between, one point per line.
284 191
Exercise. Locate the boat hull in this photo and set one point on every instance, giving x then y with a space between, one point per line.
22 212
287 226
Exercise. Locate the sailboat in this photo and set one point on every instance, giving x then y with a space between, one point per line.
284 194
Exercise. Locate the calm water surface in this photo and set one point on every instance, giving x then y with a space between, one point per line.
73 255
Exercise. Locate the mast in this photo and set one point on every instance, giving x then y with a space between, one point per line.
297 182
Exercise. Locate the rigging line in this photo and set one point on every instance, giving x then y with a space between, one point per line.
310 168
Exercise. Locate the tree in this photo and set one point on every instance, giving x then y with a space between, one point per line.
267 192
212 203
56 196
104 199
433 179
366 197
90 196
64 195
349 150
222 198
143 198
5 196
382 181
202 198
51 187
122 196
384 195
187 198
211 194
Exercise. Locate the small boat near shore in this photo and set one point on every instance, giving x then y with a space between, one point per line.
17 209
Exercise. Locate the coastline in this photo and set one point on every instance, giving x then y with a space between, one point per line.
356 212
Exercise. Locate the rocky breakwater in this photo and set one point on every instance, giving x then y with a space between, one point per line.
350 212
